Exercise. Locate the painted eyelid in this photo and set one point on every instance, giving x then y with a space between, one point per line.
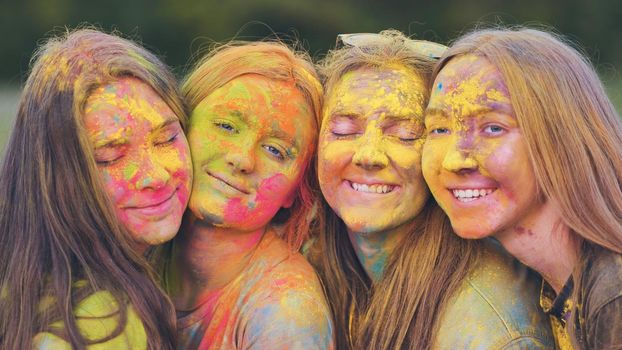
168 139
107 162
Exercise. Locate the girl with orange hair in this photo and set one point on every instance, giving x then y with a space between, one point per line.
235 277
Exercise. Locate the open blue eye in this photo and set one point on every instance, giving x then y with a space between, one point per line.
225 126
493 129
439 131
274 151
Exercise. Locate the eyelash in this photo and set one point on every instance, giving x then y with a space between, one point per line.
108 162
436 131
280 154
226 127
169 141
494 133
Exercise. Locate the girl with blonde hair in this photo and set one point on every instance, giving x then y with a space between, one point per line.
236 278
395 275
96 171
523 145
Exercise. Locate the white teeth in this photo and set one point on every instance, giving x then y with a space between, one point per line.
380 189
471 194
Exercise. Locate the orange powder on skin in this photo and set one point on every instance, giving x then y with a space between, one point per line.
264 130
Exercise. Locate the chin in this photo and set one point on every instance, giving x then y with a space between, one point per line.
470 232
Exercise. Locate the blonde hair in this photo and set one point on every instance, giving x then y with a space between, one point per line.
273 60
572 131
401 310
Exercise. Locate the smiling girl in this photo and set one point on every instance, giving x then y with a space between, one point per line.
523 145
395 275
236 279
96 171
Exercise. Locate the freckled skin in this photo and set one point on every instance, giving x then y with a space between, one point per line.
143 158
359 140
474 141
250 141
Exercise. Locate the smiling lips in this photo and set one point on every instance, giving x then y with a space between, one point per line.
375 188
228 183
469 195
159 207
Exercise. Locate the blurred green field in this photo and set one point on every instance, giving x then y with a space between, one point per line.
9 98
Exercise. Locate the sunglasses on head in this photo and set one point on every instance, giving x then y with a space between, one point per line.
426 48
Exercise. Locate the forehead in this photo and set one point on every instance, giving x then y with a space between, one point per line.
469 83
394 88
265 104
125 100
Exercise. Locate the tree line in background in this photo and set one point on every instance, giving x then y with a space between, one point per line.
175 29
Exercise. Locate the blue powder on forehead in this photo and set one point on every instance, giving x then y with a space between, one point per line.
439 86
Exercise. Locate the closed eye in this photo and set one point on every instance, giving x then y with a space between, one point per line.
168 141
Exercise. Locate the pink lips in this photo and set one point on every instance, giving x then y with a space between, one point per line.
155 209
229 183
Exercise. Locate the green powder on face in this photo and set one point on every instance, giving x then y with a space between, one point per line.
130 171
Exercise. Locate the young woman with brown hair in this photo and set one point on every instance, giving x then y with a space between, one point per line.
97 169
524 146
395 276
235 277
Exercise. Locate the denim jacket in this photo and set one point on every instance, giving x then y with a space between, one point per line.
497 307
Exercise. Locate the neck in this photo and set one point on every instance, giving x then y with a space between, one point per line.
374 249
206 258
543 242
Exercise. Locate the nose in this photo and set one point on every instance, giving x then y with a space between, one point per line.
370 154
459 160
155 173
241 158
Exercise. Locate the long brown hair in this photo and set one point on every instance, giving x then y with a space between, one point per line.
57 225
273 60
402 309
572 131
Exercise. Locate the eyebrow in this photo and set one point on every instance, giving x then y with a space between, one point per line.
344 114
283 136
122 140
106 143
434 111
399 118
168 121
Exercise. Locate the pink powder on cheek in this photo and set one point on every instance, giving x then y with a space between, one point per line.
269 199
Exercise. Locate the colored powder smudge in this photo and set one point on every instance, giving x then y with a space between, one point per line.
236 211
130 171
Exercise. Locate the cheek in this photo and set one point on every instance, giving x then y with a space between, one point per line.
406 158
431 159
117 182
502 161
271 195
333 155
